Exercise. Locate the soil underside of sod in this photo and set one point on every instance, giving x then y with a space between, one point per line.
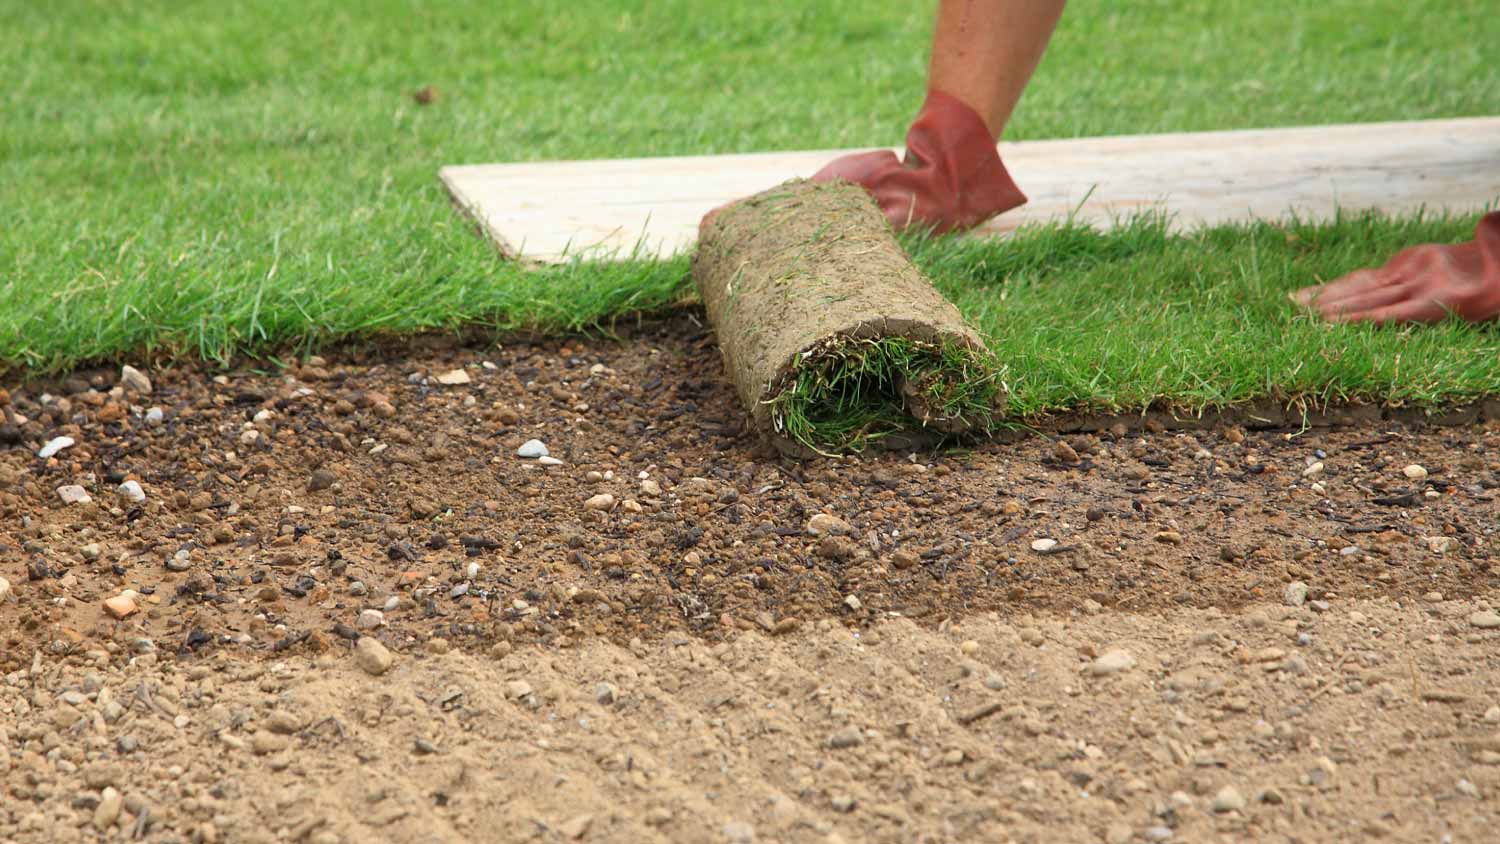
757 676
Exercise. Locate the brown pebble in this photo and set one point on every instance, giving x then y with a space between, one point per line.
120 606
264 742
283 723
836 548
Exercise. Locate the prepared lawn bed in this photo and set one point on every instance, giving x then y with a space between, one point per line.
832 337
671 599
281 504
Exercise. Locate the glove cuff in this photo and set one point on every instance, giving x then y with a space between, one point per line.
951 137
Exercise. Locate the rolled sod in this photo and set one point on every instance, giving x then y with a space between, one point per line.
834 340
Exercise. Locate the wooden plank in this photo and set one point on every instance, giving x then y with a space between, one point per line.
609 208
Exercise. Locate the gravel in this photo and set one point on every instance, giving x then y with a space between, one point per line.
134 379
845 738
605 693
371 656
73 494
120 606
55 445
1485 619
1295 594
822 524
1112 662
532 449
1229 799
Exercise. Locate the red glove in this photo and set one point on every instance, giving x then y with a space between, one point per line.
951 178
1421 284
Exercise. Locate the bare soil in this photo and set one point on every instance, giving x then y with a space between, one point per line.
865 649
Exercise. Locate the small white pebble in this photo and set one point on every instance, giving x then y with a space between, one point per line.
532 449
55 445
73 494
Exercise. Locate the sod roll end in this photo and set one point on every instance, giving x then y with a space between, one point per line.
833 338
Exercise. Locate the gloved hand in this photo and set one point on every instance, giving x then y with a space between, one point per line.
1421 284
951 178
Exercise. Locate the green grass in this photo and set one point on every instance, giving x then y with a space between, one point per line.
851 393
1115 321
206 179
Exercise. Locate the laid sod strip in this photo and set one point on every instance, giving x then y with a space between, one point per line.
833 338
1120 321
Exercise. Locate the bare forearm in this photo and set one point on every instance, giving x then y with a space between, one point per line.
984 52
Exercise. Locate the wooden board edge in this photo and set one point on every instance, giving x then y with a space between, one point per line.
470 208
